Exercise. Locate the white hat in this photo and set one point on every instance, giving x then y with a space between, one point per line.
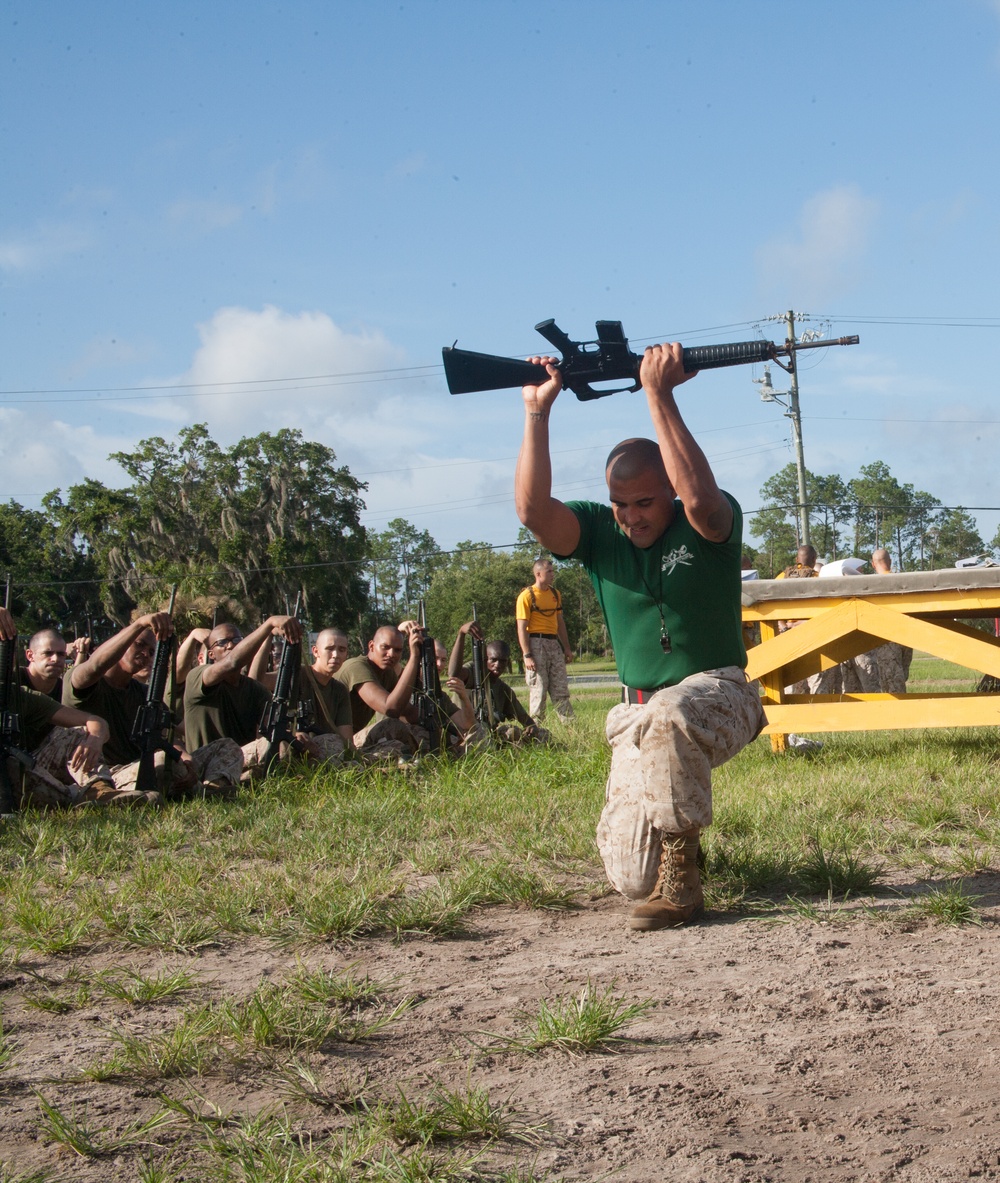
850 566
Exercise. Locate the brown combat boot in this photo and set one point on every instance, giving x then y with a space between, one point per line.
105 792
677 896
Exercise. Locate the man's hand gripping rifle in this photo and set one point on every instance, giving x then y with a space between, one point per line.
608 359
154 721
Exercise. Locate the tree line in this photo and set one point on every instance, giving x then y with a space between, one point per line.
243 529
857 516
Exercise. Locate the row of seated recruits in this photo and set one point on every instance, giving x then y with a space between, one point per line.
76 721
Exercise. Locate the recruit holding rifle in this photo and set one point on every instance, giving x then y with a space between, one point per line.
608 359
275 723
152 728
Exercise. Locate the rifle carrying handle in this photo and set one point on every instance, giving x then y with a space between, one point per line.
714 357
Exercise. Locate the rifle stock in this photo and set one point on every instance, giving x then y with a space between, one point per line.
607 359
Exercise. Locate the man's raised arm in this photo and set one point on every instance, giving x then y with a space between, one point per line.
688 470
90 672
552 523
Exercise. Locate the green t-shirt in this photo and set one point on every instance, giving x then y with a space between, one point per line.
331 704
354 673
35 711
117 706
221 711
696 581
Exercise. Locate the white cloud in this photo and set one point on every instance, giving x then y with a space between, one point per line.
824 257
39 454
43 246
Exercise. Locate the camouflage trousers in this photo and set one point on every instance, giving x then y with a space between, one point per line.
662 756
884 670
53 784
390 739
548 677
218 763
330 747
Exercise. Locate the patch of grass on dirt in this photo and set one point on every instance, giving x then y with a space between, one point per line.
589 1020
948 905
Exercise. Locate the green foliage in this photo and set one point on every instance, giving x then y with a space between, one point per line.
491 580
404 560
858 516
224 520
48 572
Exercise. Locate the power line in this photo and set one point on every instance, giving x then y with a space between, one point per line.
402 373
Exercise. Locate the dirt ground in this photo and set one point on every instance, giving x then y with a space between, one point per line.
776 1051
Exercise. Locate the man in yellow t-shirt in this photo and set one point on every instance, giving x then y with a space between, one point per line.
541 632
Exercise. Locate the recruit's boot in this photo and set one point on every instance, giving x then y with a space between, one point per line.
106 792
677 896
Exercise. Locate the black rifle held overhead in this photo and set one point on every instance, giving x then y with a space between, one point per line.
11 753
275 724
154 720
608 359
428 707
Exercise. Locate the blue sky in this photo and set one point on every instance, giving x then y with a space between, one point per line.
262 215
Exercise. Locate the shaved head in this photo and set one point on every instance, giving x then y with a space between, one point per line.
634 457
328 634
388 632
46 635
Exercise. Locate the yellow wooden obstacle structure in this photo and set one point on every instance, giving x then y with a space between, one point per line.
847 615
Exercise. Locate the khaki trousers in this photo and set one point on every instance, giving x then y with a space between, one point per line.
548 676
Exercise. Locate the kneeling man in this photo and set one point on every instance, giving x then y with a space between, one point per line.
664 559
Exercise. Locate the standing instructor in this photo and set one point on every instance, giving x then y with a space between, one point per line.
664 559
541 633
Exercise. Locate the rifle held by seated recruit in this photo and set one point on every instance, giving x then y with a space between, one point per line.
154 720
608 359
10 722
428 707
481 697
275 725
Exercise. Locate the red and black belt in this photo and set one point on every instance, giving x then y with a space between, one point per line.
636 697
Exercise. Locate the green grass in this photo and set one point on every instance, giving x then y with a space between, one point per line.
313 860
588 1020
950 905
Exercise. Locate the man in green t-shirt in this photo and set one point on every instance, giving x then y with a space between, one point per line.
65 745
664 559
327 734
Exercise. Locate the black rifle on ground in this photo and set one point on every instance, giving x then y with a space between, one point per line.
275 723
152 727
11 753
608 359
429 689
482 699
